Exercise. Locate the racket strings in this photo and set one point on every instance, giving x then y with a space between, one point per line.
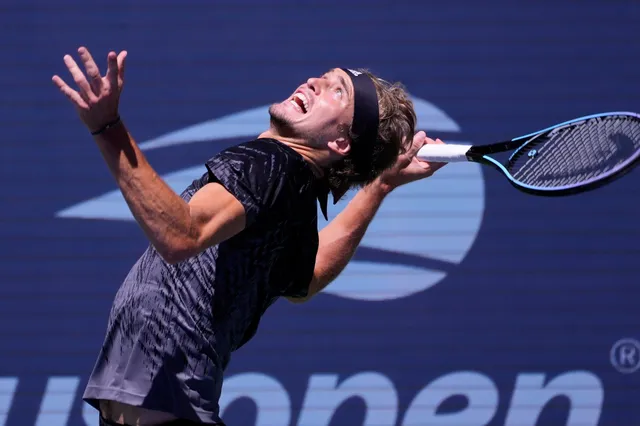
579 153
551 155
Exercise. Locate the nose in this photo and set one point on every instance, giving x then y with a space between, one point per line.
315 85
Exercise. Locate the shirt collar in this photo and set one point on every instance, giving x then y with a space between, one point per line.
322 192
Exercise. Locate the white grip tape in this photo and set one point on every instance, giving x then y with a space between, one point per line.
443 153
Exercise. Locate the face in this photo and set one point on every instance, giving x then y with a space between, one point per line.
319 111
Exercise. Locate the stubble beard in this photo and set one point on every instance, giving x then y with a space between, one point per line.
283 125
279 120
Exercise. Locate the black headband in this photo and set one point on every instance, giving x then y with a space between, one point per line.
365 106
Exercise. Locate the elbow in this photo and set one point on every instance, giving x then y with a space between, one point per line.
172 258
298 300
302 299
182 247
176 253
315 286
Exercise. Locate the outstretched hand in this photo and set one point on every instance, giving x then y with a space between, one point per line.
408 168
97 98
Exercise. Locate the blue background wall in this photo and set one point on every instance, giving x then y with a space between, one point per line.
497 308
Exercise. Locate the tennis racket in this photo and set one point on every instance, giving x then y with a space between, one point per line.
567 158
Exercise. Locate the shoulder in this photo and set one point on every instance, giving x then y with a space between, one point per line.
261 155
264 174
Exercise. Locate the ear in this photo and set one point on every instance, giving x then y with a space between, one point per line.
340 146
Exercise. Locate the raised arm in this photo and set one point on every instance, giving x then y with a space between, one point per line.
340 239
175 228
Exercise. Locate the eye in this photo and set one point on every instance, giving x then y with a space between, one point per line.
339 92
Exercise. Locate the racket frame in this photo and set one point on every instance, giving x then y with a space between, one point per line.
480 154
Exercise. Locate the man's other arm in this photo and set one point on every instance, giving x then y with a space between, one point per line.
339 240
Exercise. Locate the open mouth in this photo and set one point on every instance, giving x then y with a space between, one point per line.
300 103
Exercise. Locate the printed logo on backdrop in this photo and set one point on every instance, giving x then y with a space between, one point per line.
625 355
422 231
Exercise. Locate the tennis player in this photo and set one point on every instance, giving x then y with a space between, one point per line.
240 236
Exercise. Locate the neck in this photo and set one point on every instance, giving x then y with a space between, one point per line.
316 158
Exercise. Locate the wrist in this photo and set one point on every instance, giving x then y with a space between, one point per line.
108 125
381 188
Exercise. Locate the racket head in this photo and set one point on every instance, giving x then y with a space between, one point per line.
572 157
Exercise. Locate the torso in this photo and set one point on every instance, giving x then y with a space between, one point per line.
175 326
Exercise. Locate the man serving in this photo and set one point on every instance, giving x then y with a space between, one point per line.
243 234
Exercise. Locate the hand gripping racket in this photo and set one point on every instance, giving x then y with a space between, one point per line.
567 158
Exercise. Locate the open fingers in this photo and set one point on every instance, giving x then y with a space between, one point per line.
112 70
79 78
73 96
93 72
121 64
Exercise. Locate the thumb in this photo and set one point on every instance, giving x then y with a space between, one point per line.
419 139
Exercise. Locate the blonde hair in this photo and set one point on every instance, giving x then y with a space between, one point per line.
368 159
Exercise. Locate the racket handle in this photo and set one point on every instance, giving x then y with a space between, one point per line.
444 153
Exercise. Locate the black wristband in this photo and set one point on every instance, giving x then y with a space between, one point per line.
107 126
